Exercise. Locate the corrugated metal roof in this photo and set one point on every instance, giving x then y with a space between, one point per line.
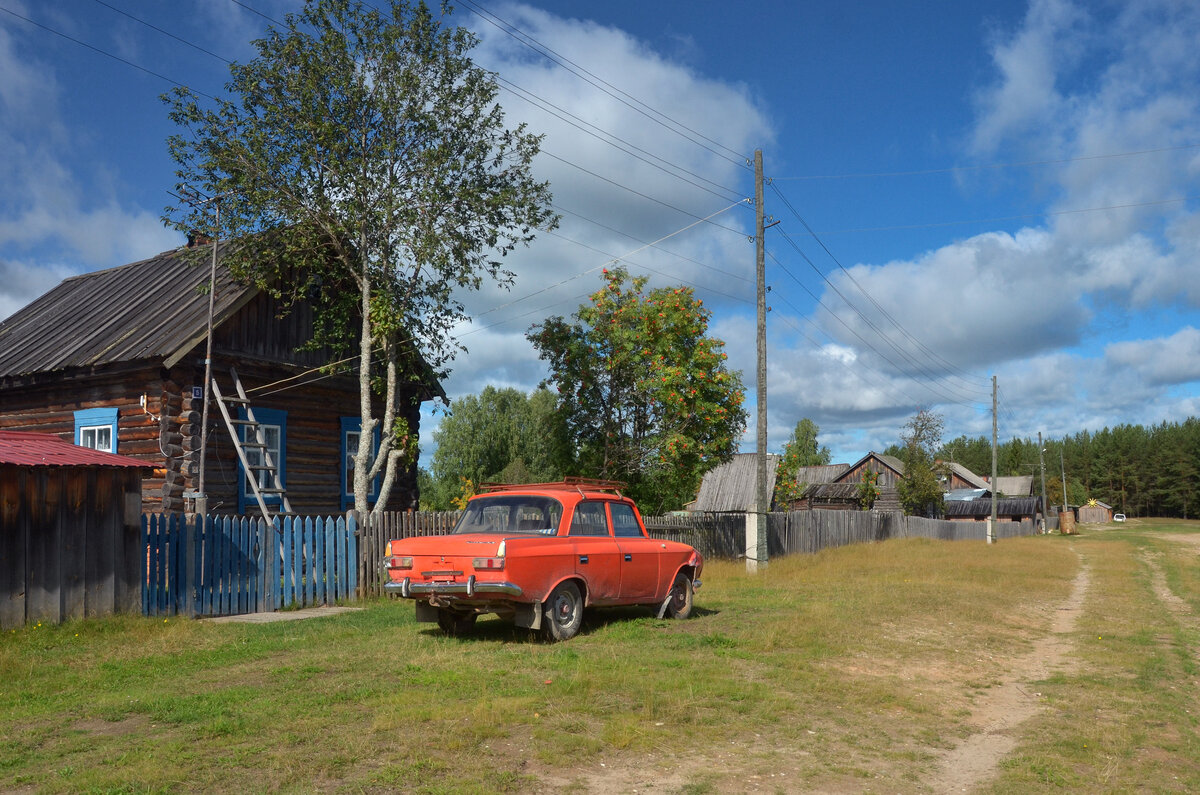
731 486
25 448
151 309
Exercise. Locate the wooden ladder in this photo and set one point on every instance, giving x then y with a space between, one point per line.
252 437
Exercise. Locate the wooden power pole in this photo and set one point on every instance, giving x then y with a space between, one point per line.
991 528
757 557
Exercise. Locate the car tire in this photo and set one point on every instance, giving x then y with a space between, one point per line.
679 598
563 612
453 623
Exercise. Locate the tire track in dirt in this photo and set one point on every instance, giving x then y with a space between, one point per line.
975 759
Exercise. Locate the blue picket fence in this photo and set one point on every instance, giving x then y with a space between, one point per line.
226 565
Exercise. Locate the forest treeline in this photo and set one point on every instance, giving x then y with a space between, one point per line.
1139 471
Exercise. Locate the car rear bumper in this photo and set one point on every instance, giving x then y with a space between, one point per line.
408 589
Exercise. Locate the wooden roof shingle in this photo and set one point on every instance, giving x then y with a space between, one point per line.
153 309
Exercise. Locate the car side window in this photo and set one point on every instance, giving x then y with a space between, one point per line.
589 520
625 523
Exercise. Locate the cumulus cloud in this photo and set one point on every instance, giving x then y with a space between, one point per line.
1107 94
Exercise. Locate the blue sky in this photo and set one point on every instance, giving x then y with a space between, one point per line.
996 188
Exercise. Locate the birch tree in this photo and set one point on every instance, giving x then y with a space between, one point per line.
365 165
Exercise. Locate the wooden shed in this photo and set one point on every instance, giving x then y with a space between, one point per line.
1009 509
114 360
1095 512
70 530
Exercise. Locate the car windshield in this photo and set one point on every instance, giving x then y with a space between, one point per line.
511 513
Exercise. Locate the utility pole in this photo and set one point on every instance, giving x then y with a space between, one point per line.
1064 482
201 495
757 557
1042 464
991 528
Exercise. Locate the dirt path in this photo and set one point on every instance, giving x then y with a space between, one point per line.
1012 702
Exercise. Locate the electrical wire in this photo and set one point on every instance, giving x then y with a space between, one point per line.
984 166
649 112
104 52
941 362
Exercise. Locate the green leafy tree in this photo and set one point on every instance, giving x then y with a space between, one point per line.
644 395
920 491
500 435
801 450
365 165
868 489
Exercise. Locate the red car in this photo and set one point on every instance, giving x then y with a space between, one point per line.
538 554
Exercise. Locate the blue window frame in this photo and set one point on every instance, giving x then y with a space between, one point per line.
351 428
274 425
97 429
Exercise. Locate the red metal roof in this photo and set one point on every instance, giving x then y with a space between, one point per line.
25 448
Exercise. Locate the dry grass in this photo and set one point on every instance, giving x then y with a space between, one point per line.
850 670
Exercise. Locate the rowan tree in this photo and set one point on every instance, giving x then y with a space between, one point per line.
644 394
364 165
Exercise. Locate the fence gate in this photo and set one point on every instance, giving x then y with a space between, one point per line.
226 565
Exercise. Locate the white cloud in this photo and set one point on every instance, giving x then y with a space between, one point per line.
1158 362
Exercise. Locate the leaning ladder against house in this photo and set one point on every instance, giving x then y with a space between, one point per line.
252 437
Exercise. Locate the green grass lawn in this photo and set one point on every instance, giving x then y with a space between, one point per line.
850 670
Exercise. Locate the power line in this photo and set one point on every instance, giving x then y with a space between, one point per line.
604 136
179 39
984 166
1024 216
614 183
921 346
103 52
627 99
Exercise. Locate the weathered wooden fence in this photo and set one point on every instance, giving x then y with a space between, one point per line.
226 565
374 535
808 532
715 535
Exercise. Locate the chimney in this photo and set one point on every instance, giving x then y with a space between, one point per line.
196 238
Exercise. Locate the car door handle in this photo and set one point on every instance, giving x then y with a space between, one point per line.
628 557
583 558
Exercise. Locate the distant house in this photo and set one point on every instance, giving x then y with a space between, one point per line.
957 476
731 487
842 492
114 360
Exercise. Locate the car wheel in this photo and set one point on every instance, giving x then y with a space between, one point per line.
679 600
563 612
453 623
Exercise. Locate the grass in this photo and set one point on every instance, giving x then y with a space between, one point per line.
848 670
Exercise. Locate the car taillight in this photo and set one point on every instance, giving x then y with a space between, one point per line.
487 563
398 562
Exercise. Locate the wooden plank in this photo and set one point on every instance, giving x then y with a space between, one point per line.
43 595
14 543
347 529
289 562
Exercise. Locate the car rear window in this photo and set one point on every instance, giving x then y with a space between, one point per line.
511 513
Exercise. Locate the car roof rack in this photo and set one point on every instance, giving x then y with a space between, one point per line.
576 483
